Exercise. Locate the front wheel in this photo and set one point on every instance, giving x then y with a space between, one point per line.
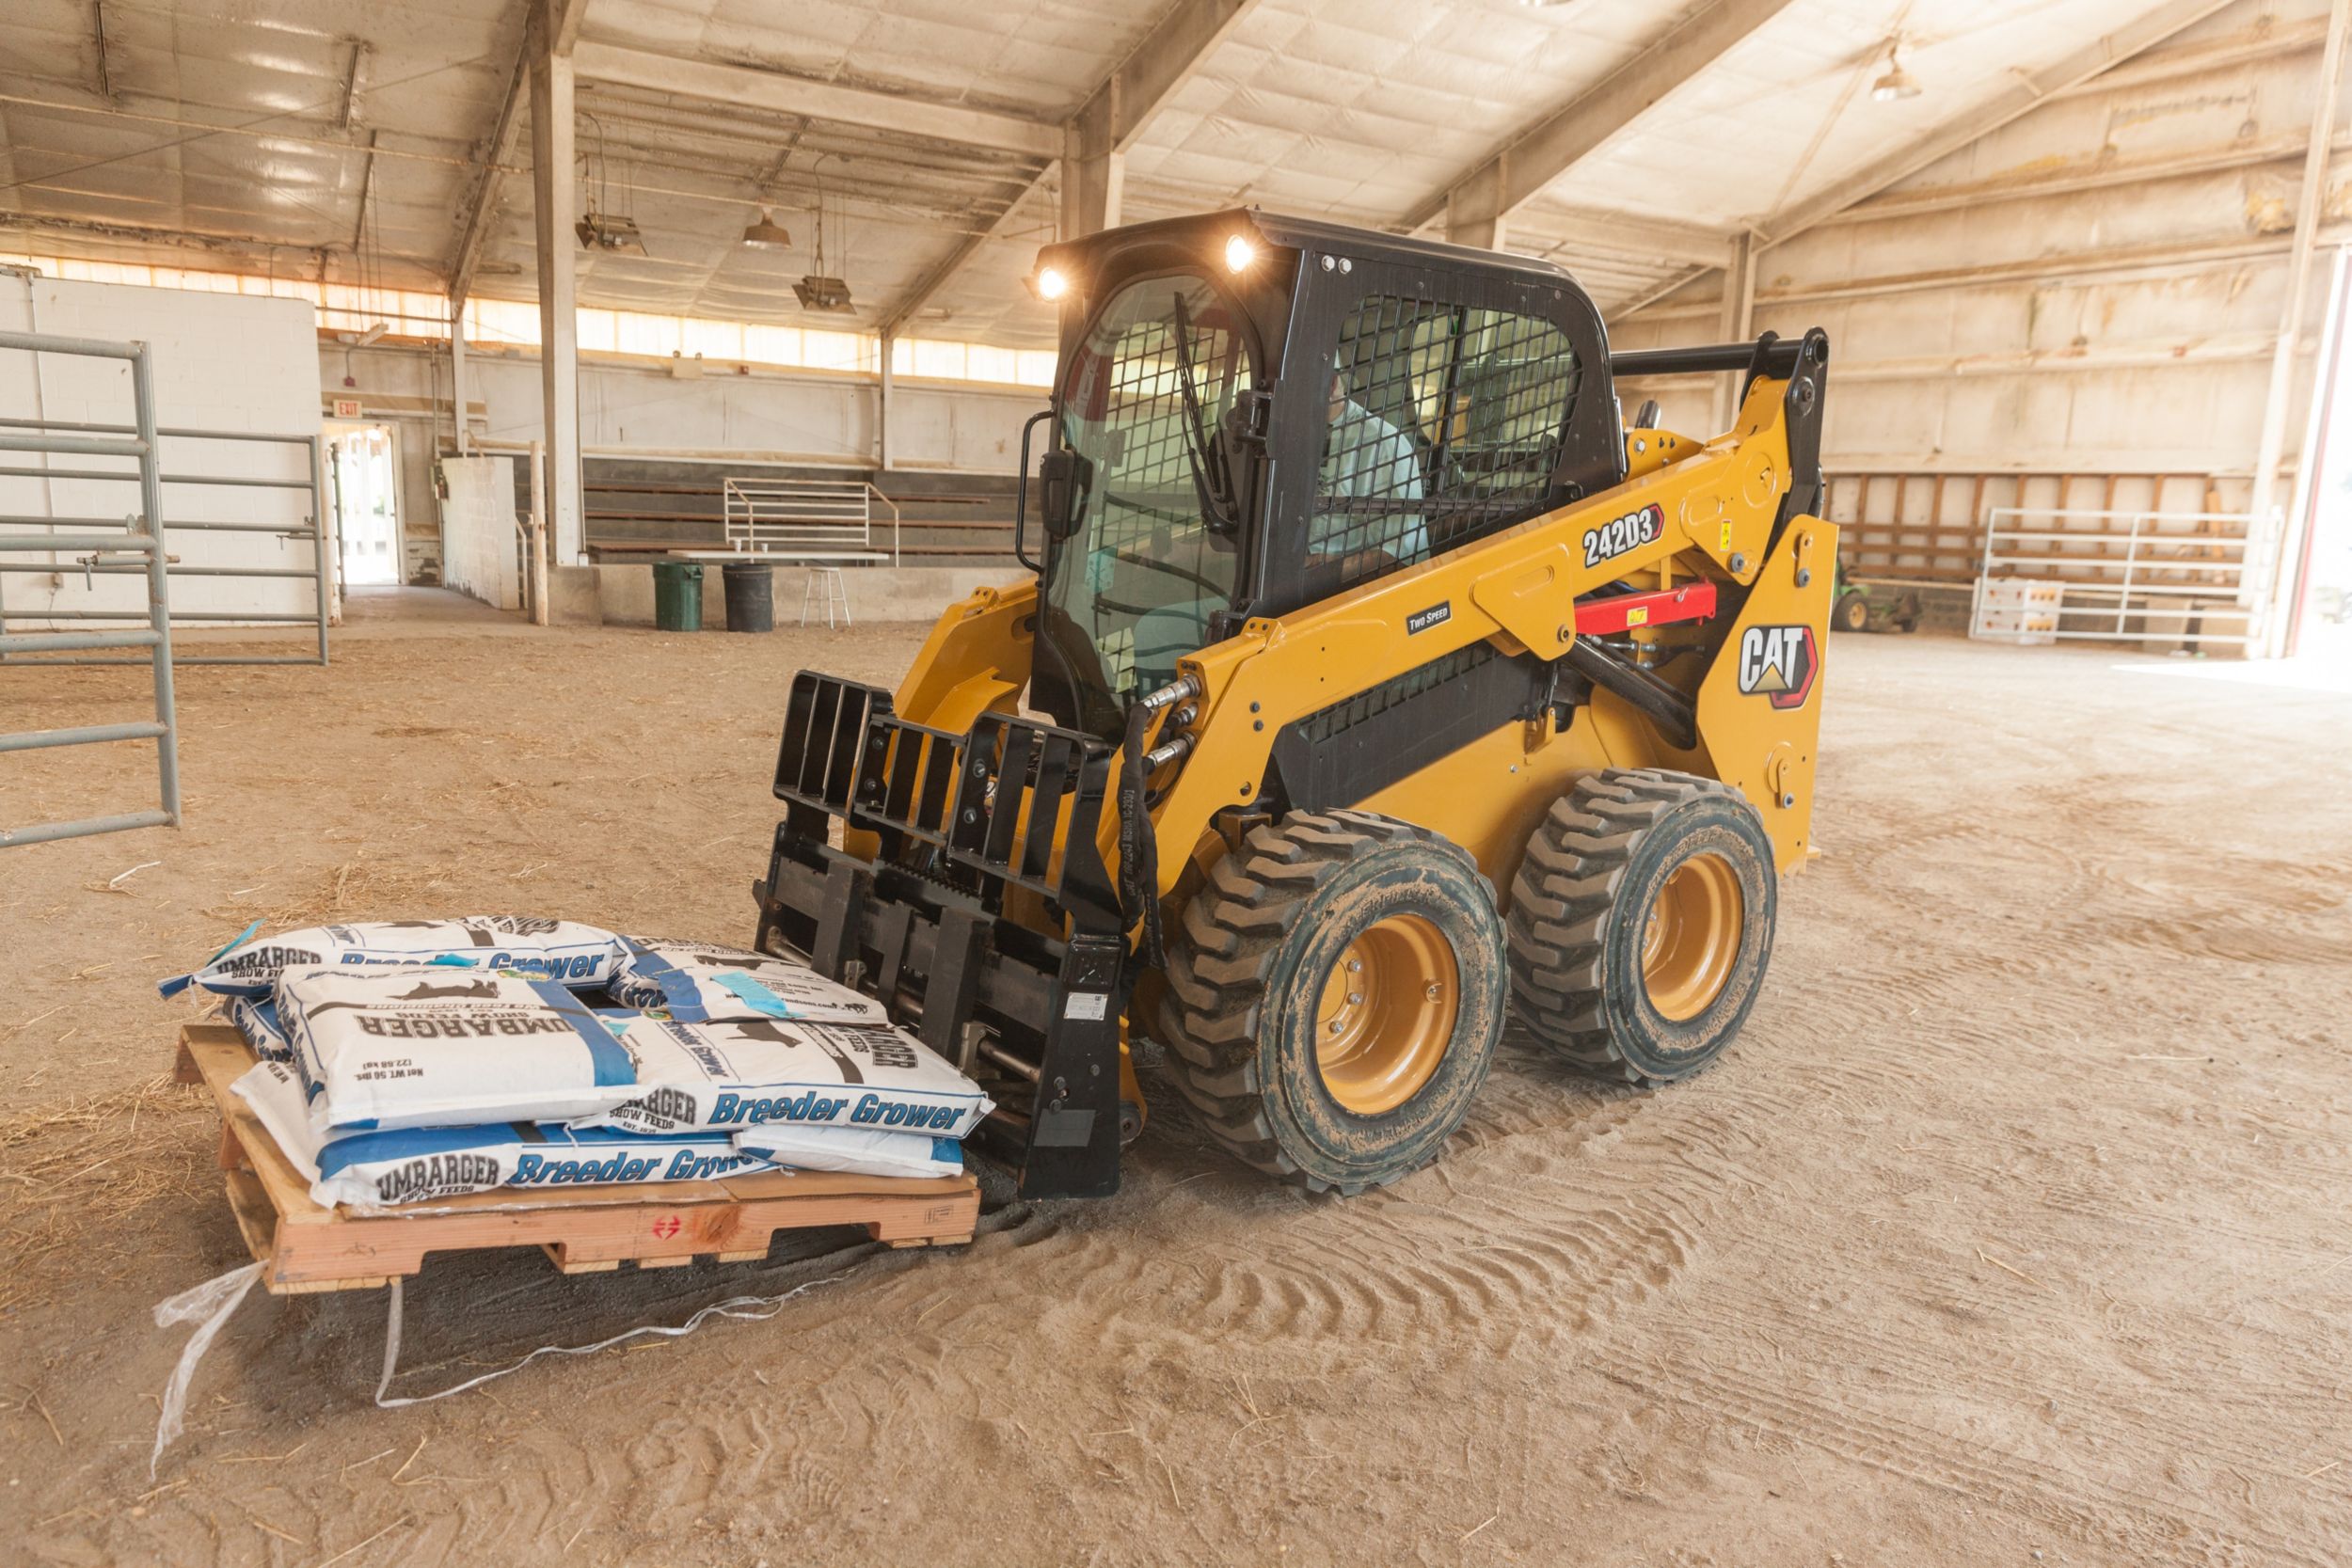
1335 991
1642 922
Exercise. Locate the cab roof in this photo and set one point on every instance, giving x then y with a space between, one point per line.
1208 230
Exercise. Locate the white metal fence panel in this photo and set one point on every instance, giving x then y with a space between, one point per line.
2187 579
811 519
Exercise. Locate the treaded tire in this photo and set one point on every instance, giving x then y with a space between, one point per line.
1581 902
1851 614
1247 965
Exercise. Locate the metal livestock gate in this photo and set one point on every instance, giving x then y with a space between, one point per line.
140 534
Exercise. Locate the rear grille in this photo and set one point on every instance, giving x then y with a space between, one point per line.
1341 716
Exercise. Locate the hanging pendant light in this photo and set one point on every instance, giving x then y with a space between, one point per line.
767 234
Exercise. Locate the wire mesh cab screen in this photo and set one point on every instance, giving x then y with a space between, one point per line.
1445 424
1137 581
1428 399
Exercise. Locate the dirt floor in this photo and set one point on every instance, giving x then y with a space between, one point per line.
2011 1231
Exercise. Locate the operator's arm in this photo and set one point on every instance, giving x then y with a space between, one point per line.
1408 534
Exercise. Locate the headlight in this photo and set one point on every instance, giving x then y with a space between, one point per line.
1239 253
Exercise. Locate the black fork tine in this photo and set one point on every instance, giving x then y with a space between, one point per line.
1053 778
1005 817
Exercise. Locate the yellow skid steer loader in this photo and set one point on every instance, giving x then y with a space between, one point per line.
1376 683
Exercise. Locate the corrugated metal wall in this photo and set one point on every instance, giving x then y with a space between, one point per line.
2081 307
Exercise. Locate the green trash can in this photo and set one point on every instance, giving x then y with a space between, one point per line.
678 595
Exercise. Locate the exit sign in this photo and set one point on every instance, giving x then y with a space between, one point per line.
346 409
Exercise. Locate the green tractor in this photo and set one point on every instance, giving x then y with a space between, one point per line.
1859 606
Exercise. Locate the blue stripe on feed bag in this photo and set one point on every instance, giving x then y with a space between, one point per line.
752 994
946 1149
678 988
613 1066
406 1143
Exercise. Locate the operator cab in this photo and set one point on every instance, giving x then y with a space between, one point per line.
1254 413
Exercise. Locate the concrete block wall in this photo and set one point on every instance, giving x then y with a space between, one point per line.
816 421
877 595
2121 322
479 543
228 362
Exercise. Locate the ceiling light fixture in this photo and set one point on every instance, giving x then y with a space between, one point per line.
830 294
608 232
1896 83
767 234
600 230
816 290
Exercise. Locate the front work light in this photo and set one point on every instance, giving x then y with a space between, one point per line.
1239 253
1050 283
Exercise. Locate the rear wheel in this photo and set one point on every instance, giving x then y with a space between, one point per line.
1852 614
1335 991
1642 922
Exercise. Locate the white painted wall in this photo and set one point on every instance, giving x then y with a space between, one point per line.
220 362
480 545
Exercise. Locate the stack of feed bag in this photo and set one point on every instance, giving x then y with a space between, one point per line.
414 1060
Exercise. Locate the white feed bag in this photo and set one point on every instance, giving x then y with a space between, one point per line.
704 984
692 1076
449 1048
256 1017
574 954
852 1150
380 1169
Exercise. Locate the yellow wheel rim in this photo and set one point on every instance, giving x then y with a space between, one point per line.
1691 937
1387 1014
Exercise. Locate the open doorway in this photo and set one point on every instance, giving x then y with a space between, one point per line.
363 471
2319 599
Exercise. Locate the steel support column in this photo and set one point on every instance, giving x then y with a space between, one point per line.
553 206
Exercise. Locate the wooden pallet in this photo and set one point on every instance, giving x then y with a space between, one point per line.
585 1230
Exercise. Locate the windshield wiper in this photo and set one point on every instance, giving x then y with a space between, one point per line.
1209 474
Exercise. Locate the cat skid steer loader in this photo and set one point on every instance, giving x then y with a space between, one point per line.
1374 683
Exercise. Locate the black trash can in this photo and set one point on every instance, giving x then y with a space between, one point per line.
678 595
751 596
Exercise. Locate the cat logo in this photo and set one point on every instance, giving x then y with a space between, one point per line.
1779 662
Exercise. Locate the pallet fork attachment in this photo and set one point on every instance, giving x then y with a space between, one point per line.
963 823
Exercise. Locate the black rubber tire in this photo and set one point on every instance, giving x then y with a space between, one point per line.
1581 900
1246 967
1851 614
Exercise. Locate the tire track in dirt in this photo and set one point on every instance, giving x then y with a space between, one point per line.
2105 1415
2100 1513
1515 1232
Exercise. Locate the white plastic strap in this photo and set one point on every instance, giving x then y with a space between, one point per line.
749 1308
208 1306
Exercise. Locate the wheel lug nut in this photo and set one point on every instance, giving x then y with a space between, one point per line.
1355 998
1354 965
1435 992
1335 1026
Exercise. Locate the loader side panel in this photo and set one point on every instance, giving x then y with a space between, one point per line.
1759 708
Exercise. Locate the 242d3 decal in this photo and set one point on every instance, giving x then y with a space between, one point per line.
1779 663
1619 534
